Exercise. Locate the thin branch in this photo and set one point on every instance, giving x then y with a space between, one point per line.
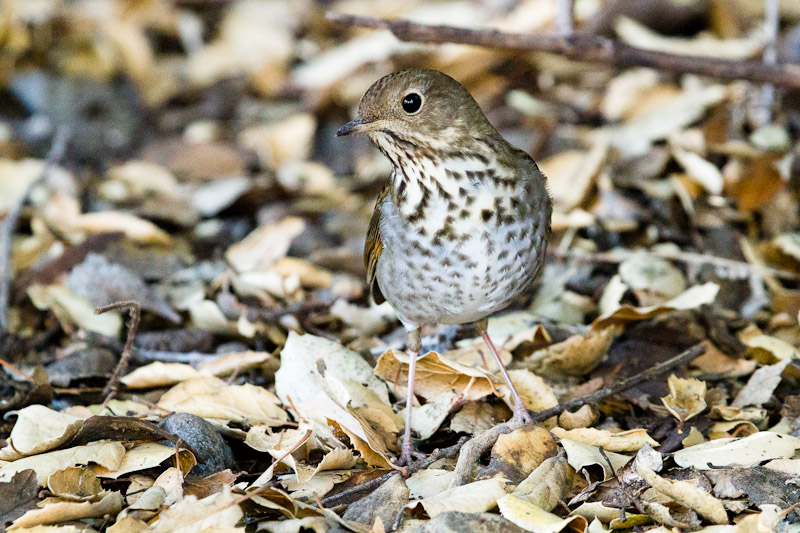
662 368
473 449
56 153
689 258
583 47
135 311
487 439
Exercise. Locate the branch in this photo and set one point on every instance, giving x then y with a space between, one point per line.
57 149
136 312
684 357
582 47
480 443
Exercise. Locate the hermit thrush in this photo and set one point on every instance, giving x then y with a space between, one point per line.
460 229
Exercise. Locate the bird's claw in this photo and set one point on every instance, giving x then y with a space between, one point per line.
521 415
408 456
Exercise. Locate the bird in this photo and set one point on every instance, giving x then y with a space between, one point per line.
460 229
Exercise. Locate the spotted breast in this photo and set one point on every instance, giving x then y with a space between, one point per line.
462 234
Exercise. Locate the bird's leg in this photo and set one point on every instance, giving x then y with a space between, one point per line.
521 413
407 451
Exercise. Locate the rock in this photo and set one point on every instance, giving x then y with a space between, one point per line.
214 453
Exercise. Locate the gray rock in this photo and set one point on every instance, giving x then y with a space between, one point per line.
214 453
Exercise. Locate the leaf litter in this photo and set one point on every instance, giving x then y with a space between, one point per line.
201 179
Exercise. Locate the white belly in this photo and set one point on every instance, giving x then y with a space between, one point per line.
456 282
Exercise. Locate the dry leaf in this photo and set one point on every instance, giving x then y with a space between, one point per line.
54 513
475 497
438 374
576 356
686 494
581 455
210 397
530 517
687 398
743 452
38 429
624 441
106 454
692 298
515 455
325 382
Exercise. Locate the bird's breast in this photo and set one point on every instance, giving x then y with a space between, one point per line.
457 245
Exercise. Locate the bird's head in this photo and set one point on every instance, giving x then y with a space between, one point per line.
419 108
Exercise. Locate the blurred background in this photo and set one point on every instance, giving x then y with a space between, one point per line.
182 154
192 154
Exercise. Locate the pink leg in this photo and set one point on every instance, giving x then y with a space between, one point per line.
407 451
521 413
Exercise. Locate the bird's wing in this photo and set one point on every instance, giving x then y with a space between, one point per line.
374 247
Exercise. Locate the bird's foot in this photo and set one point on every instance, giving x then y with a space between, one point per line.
408 455
521 414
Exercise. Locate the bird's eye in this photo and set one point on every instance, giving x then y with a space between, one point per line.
411 103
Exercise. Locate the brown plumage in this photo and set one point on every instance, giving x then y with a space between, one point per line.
461 228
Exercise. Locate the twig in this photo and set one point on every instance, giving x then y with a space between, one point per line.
11 367
662 368
489 437
622 487
689 258
57 150
136 312
583 47
474 448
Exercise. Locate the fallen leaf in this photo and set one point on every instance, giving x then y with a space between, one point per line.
530 517
692 298
38 429
686 494
475 497
106 454
624 441
686 399
515 455
743 452
210 397
54 513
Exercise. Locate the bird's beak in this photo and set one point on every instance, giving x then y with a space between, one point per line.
356 126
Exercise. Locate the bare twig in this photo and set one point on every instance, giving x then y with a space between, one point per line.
689 258
583 47
474 448
662 368
57 150
136 312
487 439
